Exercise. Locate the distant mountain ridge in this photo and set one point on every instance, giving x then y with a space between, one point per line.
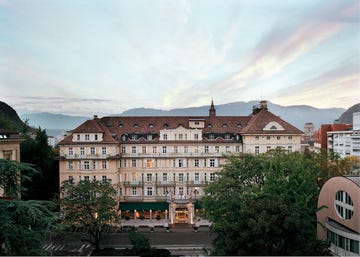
296 115
347 116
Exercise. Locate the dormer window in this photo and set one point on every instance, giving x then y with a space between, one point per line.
165 125
151 125
224 125
211 136
136 126
133 137
227 136
209 126
149 137
274 126
121 125
238 125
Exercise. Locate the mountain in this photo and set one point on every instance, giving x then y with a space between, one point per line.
53 121
9 119
347 116
296 115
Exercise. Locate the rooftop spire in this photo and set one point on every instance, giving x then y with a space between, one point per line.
212 111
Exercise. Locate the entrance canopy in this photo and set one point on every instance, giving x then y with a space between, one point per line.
140 206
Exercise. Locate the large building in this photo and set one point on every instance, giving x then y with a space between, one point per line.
160 164
339 221
346 142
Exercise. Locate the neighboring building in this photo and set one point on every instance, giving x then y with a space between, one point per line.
9 146
162 164
320 136
341 217
309 129
346 142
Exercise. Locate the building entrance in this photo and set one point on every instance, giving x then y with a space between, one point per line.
181 215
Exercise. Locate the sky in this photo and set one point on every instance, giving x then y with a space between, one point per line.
81 57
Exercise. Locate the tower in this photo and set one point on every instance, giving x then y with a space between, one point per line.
212 111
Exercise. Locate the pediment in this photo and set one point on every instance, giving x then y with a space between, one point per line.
273 126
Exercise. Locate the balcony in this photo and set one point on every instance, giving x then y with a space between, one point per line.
170 155
133 183
86 156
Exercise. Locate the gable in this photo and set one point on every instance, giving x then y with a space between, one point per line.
273 126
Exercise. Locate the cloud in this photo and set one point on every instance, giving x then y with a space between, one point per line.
283 46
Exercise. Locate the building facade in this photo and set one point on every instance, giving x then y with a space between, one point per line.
346 142
161 165
9 146
340 220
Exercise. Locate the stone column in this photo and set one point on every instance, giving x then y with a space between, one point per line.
191 213
150 215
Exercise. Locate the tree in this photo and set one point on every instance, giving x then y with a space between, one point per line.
11 173
265 205
45 184
89 206
23 224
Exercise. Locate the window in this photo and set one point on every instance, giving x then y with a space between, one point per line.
206 149
149 137
257 150
148 177
278 137
104 164
92 150
165 137
70 165
70 178
237 148
196 149
165 177
196 136
227 136
154 149
133 149
180 162
256 137
149 191
103 151
133 163
268 148
120 191
180 136
71 151
133 137
123 149
197 162
175 149
86 165
164 149
344 205
144 149
212 162
289 149
104 178
290 137
212 176
227 149
196 176
181 177
96 137
181 190
186 149
133 191
94 165
86 178
211 136
149 163
78 137
217 149
82 151
87 137
268 137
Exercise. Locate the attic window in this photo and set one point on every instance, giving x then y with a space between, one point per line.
165 125
121 125
209 126
180 125
151 125
224 125
136 126
273 125
238 125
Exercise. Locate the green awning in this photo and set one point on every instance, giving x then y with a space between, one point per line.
140 206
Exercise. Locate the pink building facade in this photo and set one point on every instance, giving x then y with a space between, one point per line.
341 218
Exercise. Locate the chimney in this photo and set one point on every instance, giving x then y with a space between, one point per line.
263 104
95 117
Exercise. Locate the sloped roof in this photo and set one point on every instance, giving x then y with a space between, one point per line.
258 122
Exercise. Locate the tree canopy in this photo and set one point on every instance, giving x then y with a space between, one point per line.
265 205
90 206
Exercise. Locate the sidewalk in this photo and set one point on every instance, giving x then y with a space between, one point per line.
156 223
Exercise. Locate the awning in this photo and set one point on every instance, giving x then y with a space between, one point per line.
140 206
